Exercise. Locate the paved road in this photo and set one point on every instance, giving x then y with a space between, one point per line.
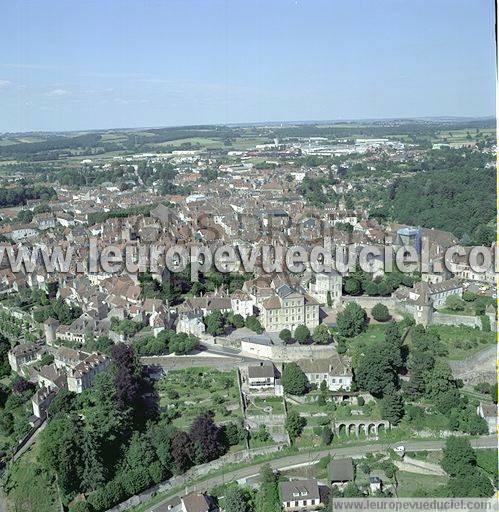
306 457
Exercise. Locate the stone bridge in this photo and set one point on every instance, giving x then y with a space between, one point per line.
357 427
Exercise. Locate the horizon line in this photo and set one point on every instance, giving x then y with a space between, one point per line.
403 119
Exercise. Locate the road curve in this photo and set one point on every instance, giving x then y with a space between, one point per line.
489 441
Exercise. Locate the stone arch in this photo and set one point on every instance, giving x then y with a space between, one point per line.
342 429
372 429
362 429
352 429
381 428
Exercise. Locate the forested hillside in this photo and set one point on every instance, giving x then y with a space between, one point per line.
455 193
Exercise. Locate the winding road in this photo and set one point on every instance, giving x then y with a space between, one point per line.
303 458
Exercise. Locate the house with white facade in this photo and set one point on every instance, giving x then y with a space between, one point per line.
82 375
327 285
300 495
242 303
264 378
335 371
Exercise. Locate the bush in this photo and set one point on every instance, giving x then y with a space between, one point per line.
351 321
136 481
157 472
252 323
237 321
262 434
285 335
455 303
322 335
302 334
115 491
81 506
485 323
327 435
294 381
380 313
100 500
469 296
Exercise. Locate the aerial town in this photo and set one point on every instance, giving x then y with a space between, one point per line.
249 256
243 390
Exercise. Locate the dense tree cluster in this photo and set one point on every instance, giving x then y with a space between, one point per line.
58 309
466 479
15 196
376 371
431 378
454 181
267 497
179 284
118 446
360 282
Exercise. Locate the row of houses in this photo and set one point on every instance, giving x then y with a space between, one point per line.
295 494
71 369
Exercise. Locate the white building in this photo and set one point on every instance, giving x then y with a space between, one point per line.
330 283
82 375
191 322
335 371
242 303
300 495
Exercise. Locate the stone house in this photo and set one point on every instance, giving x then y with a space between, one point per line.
82 375
264 378
191 322
241 303
22 354
287 309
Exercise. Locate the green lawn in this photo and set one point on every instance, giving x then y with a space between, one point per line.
259 406
190 391
29 487
373 334
412 484
454 137
487 460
